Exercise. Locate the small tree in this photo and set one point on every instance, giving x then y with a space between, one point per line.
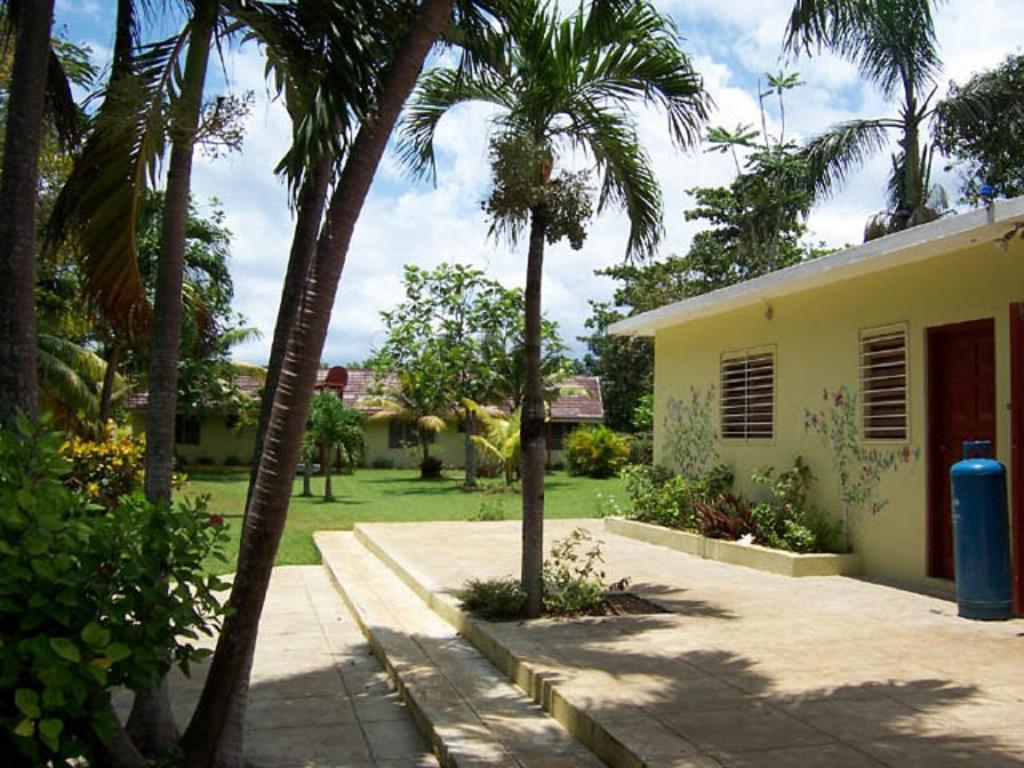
332 427
419 396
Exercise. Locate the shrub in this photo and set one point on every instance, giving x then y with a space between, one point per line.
663 498
595 452
787 521
431 467
233 461
205 461
573 579
382 462
81 607
489 510
105 469
727 516
641 448
493 599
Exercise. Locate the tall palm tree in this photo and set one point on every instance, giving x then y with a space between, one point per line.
562 84
893 44
19 179
267 510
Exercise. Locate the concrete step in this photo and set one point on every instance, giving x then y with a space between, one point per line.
467 709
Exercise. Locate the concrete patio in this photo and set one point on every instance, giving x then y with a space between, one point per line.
748 668
318 697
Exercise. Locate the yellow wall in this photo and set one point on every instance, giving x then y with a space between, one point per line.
816 339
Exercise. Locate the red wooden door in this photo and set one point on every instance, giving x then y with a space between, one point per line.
961 406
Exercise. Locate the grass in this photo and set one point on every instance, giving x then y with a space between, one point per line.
389 495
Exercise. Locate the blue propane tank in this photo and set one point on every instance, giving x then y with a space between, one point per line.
981 540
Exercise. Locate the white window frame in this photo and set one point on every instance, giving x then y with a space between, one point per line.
864 365
747 354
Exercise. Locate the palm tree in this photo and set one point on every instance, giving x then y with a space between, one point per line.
500 439
18 190
420 399
71 380
893 44
267 510
562 84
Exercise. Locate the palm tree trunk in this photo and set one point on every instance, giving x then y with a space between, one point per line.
267 513
328 491
470 449
19 191
531 429
913 181
107 393
309 213
151 723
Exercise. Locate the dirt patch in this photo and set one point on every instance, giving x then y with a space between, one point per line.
629 604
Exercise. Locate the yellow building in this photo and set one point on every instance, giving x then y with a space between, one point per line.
217 438
917 338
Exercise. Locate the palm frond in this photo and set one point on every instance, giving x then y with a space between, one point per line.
99 204
814 24
71 375
831 156
440 90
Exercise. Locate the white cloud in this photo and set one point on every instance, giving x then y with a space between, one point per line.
406 222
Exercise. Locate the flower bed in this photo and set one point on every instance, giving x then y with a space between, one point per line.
737 553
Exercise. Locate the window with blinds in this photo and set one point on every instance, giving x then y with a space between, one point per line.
748 395
883 383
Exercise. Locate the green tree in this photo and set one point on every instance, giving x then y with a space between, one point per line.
562 83
986 145
332 427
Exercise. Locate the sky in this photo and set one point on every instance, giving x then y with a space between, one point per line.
732 45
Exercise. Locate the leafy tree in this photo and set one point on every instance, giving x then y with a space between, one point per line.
500 438
562 83
332 427
987 146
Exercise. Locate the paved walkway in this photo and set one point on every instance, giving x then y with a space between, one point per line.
752 669
318 698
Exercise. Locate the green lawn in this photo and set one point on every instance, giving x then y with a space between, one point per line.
392 495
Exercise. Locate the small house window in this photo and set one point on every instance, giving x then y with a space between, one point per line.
559 430
231 420
186 430
883 382
748 394
403 434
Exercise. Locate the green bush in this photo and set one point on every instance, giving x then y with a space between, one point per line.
106 468
595 451
573 579
493 599
82 606
787 520
382 462
431 467
490 510
641 448
663 498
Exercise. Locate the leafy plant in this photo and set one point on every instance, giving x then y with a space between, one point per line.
108 468
787 521
573 577
663 498
73 585
490 509
595 451
859 468
493 599
727 516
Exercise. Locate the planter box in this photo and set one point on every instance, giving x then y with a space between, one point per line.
734 553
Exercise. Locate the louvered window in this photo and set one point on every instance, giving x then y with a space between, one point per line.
748 394
883 382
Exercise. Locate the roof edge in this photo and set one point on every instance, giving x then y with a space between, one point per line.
892 250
